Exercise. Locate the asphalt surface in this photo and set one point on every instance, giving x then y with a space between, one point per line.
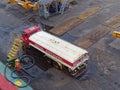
104 66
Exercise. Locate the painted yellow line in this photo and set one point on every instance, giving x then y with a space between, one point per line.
67 25
114 22
89 13
92 37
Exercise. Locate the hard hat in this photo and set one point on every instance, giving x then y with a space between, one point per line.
17 60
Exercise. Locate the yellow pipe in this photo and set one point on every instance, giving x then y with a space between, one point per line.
11 1
35 6
26 5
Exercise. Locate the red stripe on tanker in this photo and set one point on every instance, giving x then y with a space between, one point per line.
52 53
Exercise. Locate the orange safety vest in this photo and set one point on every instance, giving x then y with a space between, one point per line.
17 66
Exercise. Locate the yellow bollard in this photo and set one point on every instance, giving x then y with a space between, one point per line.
116 34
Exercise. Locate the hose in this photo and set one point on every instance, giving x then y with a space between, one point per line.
21 77
22 59
28 80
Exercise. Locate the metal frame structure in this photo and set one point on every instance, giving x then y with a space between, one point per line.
51 7
46 7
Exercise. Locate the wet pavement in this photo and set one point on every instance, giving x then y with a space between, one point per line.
104 68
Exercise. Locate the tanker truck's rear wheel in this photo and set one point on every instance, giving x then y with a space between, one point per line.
57 65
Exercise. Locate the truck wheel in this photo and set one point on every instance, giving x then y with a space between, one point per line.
49 61
57 65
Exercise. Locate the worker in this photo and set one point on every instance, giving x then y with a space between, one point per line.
17 65
52 9
59 5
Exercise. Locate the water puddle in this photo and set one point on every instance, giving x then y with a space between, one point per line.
68 37
2 5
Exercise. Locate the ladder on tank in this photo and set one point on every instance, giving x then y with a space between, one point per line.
17 44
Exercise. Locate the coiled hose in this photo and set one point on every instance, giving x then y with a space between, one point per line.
23 68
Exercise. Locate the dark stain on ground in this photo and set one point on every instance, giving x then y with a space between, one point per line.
46 27
2 5
69 37
92 69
